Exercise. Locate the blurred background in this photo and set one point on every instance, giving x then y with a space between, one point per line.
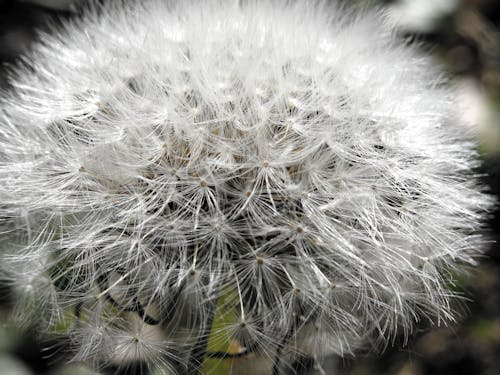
463 36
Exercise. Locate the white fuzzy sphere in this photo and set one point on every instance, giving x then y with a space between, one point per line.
290 166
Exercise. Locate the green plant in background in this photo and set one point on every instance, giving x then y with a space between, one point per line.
241 185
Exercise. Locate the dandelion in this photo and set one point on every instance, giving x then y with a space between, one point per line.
290 167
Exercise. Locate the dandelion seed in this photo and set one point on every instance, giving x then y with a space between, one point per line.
290 166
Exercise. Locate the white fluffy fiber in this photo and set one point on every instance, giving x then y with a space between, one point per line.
293 161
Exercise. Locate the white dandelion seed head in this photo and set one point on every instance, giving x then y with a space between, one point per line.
295 160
